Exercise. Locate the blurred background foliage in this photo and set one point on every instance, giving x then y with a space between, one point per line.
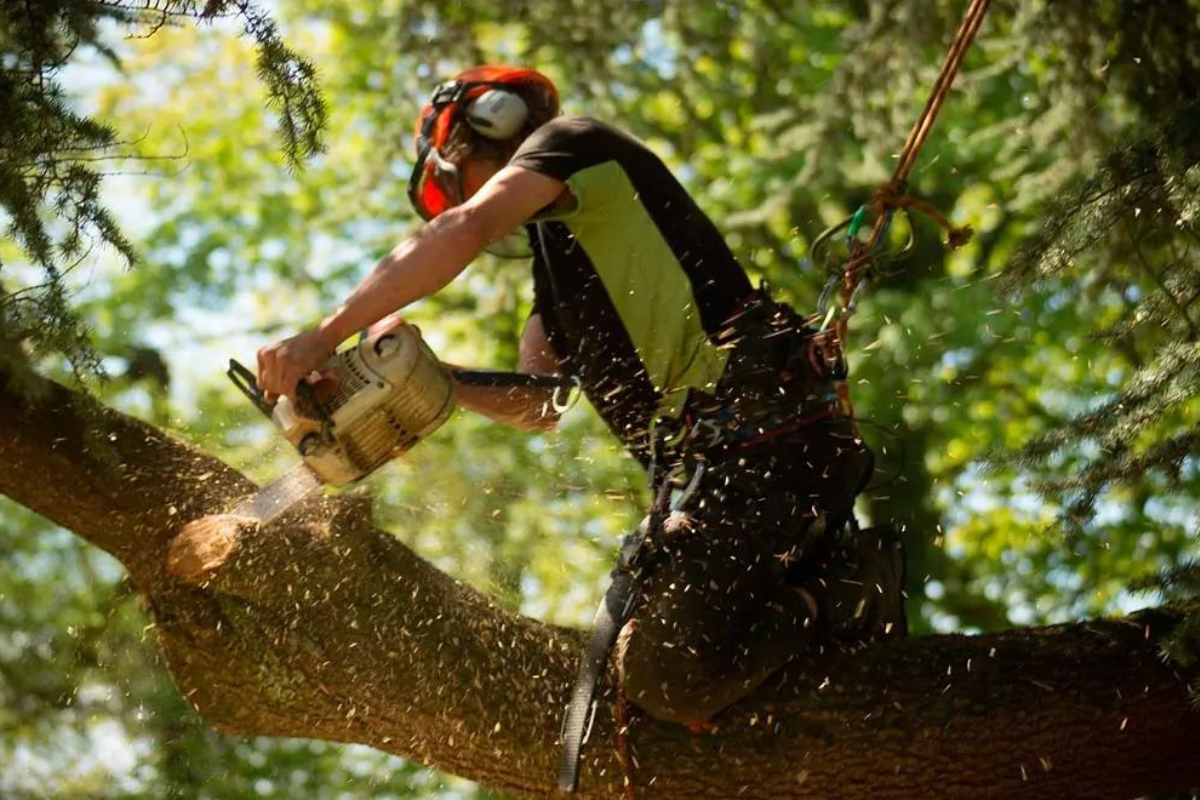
177 192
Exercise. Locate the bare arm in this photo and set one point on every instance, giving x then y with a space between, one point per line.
416 268
527 409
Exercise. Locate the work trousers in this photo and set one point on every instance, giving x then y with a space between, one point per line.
720 609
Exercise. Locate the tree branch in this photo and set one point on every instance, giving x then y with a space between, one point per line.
319 626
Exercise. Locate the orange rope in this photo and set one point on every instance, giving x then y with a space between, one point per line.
891 195
941 88
623 718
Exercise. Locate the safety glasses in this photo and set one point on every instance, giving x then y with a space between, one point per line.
436 185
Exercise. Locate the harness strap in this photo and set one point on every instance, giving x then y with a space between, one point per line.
614 610
826 411
610 616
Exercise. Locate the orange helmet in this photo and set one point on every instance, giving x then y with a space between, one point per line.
435 184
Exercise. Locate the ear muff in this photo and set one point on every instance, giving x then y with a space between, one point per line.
497 114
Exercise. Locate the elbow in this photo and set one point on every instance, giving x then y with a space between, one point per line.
538 418
465 228
535 411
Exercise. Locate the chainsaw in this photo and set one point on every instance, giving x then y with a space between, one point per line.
373 402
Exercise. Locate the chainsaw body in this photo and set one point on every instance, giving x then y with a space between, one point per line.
374 401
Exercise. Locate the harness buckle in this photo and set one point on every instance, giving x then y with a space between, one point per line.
716 432
633 548
825 355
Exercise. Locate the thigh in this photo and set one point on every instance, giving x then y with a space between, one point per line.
709 627
728 552
717 613
708 581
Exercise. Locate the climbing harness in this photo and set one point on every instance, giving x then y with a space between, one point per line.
679 457
723 431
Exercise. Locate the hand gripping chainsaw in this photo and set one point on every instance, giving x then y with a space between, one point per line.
375 400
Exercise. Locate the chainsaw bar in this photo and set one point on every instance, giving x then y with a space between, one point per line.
280 495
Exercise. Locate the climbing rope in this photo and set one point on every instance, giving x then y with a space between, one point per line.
891 196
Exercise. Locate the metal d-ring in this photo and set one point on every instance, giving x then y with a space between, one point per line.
573 393
698 473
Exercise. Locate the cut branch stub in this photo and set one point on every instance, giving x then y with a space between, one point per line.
204 545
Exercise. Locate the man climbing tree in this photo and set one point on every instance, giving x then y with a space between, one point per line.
329 628
723 394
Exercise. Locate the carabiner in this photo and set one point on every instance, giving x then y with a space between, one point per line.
572 396
827 292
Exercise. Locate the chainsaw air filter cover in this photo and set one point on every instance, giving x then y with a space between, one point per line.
390 392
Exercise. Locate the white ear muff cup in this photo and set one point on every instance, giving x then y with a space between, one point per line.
497 114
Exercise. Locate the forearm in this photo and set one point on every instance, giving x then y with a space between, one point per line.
530 409
416 268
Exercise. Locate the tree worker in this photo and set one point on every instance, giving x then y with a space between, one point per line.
719 391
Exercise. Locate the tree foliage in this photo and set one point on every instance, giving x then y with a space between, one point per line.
50 154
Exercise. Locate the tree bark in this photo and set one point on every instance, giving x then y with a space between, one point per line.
319 626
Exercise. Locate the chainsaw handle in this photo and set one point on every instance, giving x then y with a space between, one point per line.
247 384
512 380
521 380
308 405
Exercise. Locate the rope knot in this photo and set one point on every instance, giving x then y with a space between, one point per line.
957 237
891 197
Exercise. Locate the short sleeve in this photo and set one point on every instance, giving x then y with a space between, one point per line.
563 146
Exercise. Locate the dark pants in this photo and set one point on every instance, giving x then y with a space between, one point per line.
720 611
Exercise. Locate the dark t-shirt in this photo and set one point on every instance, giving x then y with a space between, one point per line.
634 282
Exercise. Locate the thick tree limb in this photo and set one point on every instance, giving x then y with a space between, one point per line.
319 626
